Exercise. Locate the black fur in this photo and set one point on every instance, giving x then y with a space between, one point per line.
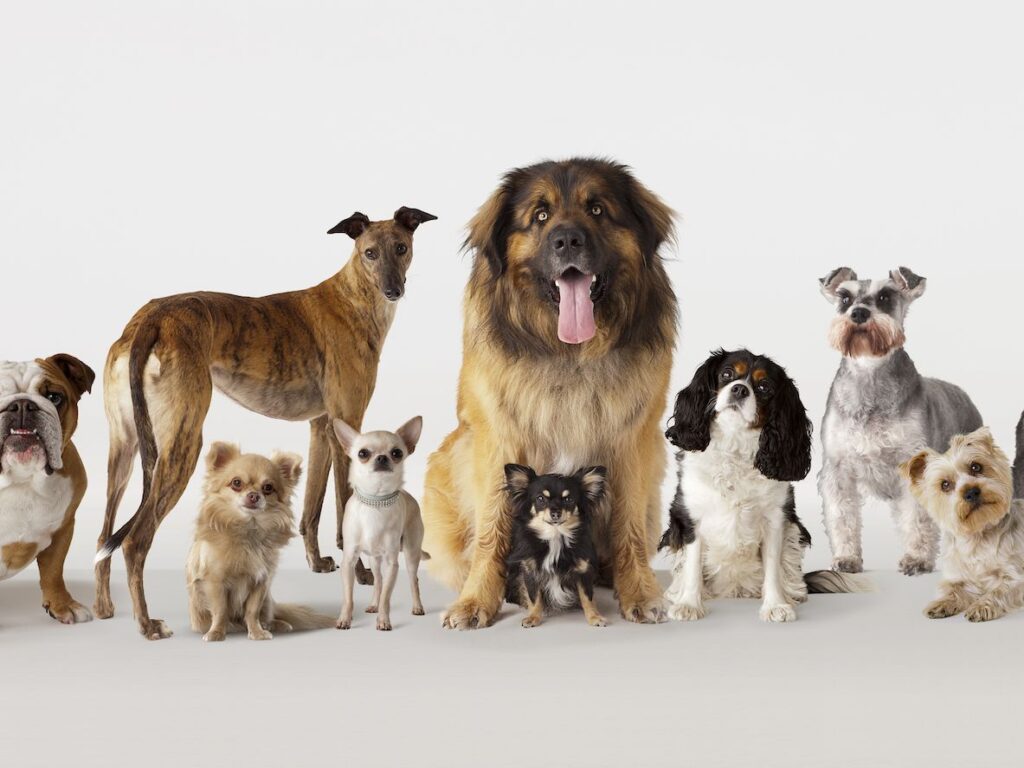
353 226
681 530
525 574
790 510
1018 462
690 426
410 218
784 452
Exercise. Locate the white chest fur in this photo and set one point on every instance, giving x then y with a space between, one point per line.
30 513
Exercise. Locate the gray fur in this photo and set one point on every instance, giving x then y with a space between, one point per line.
880 412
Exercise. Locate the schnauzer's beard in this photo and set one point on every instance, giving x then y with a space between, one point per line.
875 338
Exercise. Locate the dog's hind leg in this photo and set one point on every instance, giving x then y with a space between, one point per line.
841 502
412 546
919 534
318 468
339 461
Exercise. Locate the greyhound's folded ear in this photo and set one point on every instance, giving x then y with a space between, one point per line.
353 226
410 218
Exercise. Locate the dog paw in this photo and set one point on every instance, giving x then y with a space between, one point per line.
983 611
371 609
384 623
651 611
214 636
322 564
597 621
155 629
848 564
103 608
417 610
942 609
532 621
260 634
68 611
687 611
913 566
777 613
344 622
467 614
364 575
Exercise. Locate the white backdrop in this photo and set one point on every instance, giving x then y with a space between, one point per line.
149 149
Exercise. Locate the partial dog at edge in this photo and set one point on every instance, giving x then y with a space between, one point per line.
880 412
42 478
304 355
570 326
244 522
968 491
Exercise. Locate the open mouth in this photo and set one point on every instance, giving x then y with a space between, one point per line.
576 293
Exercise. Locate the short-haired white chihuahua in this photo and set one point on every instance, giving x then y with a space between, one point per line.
380 518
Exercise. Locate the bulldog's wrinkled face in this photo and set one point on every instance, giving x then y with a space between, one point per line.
39 413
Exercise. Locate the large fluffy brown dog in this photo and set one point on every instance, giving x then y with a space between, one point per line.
569 332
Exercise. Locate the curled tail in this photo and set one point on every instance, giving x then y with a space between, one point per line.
835 582
142 346
1018 462
301 617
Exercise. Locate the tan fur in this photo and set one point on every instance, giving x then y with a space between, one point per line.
303 355
17 555
982 541
875 338
235 552
595 403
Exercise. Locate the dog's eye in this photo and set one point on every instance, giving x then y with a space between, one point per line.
541 501
946 486
845 299
541 215
727 374
569 502
55 397
400 249
396 454
761 386
883 299
363 454
370 254
267 489
236 484
976 468
596 210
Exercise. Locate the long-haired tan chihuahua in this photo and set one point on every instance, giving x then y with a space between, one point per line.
244 522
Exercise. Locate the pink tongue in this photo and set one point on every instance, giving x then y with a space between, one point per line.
575 310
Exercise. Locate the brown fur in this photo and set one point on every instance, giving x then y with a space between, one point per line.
525 397
235 553
876 338
304 355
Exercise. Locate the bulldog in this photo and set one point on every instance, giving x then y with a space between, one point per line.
42 478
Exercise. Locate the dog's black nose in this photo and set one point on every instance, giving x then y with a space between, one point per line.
860 315
567 241
556 514
740 391
21 406
381 461
393 293
972 495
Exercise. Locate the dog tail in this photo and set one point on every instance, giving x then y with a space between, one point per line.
138 356
301 617
835 582
1018 462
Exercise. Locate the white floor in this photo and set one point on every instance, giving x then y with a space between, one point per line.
859 680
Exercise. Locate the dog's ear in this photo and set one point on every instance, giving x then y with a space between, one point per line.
830 283
593 481
347 436
410 218
784 449
913 468
909 284
690 425
653 217
410 432
489 228
518 479
220 454
353 226
290 467
75 371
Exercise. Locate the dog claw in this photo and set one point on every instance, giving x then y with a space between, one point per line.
383 624
777 613
68 613
155 629
913 566
466 614
343 624
687 611
645 611
848 564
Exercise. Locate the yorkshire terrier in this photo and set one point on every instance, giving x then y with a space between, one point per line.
968 491
244 522
552 562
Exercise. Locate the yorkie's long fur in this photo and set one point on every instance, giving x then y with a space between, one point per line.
968 491
553 563
244 522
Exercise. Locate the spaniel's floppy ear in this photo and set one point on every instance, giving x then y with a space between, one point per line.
593 481
690 425
830 283
913 468
353 226
410 218
784 450
518 479
489 228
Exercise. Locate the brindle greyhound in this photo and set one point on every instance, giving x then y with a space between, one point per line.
309 354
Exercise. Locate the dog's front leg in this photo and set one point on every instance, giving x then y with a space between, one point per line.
57 601
952 599
317 471
686 593
388 573
254 612
775 606
919 533
217 602
841 502
995 603
348 581
640 597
